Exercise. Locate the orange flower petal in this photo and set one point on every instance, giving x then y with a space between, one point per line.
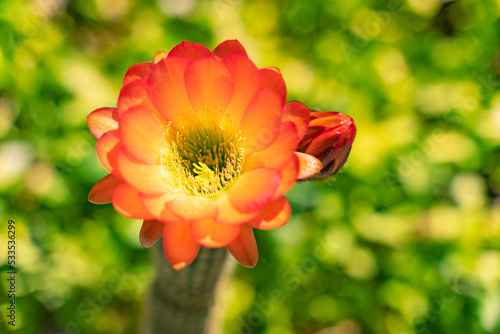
227 213
151 231
126 202
192 207
190 51
309 165
137 71
102 191
275 214
141 135
102 120
244 247
278 154
254 189
147 179
261 121
229 47
273 80
288 177
167 89
209 85
299 114
247 82
178 245
107 148
134 94
208 233
156 206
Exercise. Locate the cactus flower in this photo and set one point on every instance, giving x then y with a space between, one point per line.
202 148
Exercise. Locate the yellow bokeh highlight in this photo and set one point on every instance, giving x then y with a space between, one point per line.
447 96
91 88
387 229
361 264
392 67
442 223
468 190
450 146
425 8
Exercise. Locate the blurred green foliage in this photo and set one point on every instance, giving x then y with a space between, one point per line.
404 240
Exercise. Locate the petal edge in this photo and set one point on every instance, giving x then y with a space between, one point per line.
102 120
275 214
102 191
151 231
178 246
229 47
309 165
244 248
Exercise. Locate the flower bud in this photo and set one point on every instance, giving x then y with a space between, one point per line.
329 138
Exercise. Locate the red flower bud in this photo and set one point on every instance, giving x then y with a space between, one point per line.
329 138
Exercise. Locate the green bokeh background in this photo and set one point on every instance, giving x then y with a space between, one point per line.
404 240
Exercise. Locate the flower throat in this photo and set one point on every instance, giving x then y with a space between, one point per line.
203 156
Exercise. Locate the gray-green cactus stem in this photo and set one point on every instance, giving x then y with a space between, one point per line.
182 302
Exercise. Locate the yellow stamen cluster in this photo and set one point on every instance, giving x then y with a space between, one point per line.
203 156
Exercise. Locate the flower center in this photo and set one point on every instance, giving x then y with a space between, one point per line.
204 157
